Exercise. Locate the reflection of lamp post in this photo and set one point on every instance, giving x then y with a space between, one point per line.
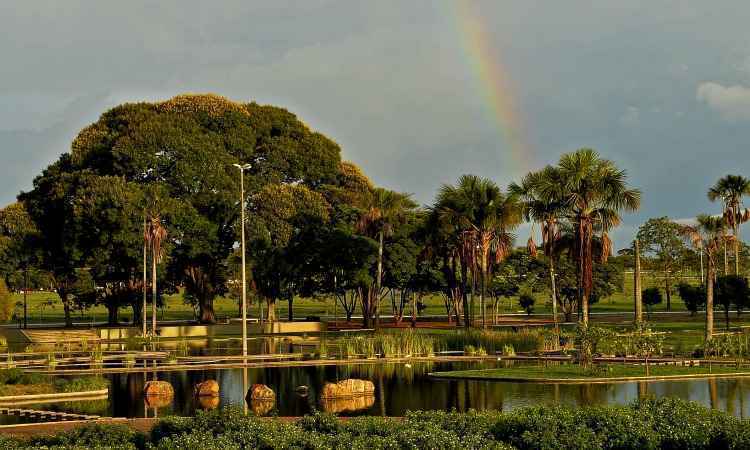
242 169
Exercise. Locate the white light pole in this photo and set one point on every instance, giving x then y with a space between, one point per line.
242 169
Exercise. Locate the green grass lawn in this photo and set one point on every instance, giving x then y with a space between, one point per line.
573 371
46 307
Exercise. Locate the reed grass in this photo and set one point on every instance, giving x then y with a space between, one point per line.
402 345
524 340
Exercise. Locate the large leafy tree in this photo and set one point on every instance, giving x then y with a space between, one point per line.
707 235
186 145
661 238
730 190
280 217
595 192
732 290
17 236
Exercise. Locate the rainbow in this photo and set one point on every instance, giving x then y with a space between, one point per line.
496 86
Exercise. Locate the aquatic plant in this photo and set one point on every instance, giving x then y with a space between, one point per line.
183 349
523 340
51 360
97 357
323 348
129 360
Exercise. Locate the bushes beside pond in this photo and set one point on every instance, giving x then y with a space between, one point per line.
651 424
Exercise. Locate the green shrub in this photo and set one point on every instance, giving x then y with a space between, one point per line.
666 423
95 436
80 384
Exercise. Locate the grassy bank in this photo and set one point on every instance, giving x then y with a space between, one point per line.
596 373
46 307
651 424
17 382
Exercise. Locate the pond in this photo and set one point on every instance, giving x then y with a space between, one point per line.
398 389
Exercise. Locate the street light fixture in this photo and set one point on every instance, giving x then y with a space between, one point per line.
242 168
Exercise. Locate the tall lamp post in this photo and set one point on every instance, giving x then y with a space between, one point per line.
242 169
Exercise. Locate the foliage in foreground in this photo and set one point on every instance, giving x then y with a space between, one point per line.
650 424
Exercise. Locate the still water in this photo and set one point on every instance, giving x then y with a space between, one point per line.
400 388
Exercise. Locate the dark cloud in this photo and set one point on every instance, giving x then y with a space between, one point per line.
649 84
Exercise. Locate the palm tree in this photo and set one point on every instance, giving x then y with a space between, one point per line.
383 209
707 235
594 191
545 208
483 217
154 236
730 189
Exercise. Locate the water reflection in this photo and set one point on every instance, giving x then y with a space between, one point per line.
400 387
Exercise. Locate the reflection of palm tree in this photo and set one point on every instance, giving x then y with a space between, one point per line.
707 236
713 393
730 189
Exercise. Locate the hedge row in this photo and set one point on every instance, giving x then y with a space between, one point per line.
650 424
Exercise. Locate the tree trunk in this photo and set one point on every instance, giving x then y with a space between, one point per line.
668 288
726 261
710 299
482 292
63 293
737 248
153 292
290 313
414 310
206 306
637 289
112 313
379 280
137 311
726 317
271 315
464 273
553 288
587 274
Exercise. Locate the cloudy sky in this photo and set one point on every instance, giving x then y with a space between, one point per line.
416 92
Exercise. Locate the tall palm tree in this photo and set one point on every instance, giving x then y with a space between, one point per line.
730 189
154 236
484 217
546 208
383 210
707 235
595 191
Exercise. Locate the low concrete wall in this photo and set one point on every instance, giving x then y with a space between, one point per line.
233 328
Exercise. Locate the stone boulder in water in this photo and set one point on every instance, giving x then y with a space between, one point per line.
261 392
158 394
351 387
261 398
158 389
208 388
